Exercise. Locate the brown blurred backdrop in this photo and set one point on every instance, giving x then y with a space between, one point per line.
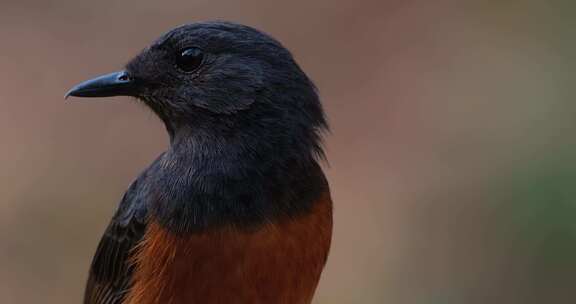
451 158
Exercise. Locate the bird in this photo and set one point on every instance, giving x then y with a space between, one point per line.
237 209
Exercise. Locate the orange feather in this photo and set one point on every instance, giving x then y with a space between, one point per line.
278 263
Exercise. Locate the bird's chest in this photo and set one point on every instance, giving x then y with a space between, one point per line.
277 263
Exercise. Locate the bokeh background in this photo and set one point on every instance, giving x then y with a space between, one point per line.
452 154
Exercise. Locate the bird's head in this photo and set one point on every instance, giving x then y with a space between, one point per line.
242 116
218 78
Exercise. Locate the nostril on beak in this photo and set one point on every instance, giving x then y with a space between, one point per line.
124 77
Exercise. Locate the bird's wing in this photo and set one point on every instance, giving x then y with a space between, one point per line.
111 271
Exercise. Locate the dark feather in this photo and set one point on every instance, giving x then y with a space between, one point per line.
111 271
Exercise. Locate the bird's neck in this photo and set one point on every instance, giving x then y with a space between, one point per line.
205 181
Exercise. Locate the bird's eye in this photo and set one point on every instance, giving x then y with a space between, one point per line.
190 59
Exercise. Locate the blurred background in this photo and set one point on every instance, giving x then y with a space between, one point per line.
452 155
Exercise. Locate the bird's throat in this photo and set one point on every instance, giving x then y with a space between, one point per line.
202 183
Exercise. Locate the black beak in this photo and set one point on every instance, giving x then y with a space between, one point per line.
113 84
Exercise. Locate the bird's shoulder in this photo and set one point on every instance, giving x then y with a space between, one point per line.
111 269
